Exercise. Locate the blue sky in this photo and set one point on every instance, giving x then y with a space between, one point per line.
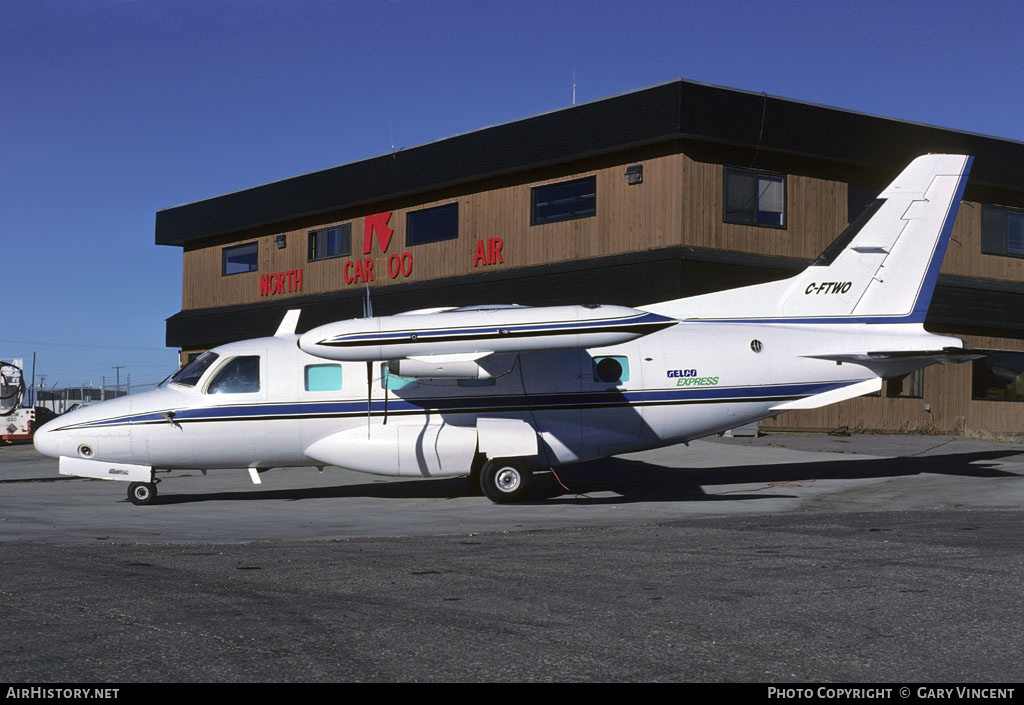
114 109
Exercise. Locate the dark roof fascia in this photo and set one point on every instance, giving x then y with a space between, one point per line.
630 120
669 111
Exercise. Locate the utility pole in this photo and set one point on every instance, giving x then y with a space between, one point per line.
117 385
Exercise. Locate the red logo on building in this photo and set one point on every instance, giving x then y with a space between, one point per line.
377 223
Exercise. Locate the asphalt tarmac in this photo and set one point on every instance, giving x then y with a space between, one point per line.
786 558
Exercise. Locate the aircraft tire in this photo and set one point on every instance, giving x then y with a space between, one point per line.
506 480
142 493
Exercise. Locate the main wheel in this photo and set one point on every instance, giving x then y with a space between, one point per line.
142 493
506 480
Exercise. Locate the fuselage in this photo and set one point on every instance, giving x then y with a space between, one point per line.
263 403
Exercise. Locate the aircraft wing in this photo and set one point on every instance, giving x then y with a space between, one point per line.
480 330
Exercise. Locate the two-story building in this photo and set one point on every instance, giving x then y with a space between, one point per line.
674 190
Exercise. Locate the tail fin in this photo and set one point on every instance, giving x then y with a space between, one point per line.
881 269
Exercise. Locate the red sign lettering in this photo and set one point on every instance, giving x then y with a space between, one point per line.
281 282
377 223
489 252
400 264
361 270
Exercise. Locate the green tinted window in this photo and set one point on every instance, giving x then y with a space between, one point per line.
323 378
394 382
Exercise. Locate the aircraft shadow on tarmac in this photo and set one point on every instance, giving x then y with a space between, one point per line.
638 481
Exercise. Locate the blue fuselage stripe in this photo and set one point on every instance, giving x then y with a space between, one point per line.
462 404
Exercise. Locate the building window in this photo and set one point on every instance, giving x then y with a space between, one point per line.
240 258
998 376
567 200
1002 231
323 378
909 385
330 242
432 225
755 197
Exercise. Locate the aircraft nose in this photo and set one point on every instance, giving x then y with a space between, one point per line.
46 440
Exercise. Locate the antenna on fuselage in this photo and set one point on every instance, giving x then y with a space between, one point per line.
368 313
369 395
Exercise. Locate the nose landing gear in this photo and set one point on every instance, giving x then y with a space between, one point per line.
141 493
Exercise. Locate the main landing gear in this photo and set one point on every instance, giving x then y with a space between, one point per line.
506 480
141 493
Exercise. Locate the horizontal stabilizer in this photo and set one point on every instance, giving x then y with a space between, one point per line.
831 397
924 357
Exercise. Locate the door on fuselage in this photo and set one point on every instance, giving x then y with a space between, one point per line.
551 395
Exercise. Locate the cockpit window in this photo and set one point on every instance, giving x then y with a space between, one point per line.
188 375
240 375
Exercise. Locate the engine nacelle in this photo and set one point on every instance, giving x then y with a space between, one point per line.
445 367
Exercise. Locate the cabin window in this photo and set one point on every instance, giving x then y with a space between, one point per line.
394 382
909 385
755 197
330 242
432 225
999 376
566 200
612 369
1002 231
240 375
189 375
323 378
240 258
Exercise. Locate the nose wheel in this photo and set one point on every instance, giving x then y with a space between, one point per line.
142 493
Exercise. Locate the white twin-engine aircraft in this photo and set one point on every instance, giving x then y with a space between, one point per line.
497 392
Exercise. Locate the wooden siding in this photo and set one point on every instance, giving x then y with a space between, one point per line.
629 218
815 215
947 390
680 202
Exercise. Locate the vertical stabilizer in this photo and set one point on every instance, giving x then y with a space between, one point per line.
882 269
